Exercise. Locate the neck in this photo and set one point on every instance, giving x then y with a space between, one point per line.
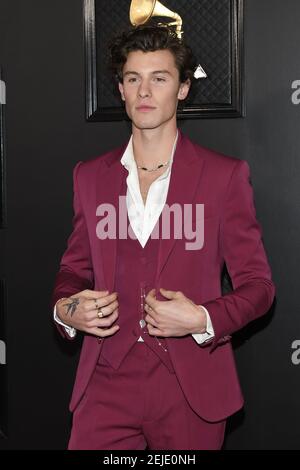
152 147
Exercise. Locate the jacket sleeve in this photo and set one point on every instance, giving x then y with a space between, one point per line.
76 271
245 258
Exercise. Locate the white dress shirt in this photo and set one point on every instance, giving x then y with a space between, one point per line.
143 217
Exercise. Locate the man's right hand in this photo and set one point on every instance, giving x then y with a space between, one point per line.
82 311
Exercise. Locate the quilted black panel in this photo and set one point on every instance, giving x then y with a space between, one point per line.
213 28
206 26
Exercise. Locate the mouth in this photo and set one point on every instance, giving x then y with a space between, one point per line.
145 109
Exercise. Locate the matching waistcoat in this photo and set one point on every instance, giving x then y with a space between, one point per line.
134 278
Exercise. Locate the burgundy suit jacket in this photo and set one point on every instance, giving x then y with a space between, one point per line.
232 235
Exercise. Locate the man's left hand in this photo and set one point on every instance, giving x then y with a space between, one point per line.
179 316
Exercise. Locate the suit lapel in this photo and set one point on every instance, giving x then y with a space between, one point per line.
109 184
185 176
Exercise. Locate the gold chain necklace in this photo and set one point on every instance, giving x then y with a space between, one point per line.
161 165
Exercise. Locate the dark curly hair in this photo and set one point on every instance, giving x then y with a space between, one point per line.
151 38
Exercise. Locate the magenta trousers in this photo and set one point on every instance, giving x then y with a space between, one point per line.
140 405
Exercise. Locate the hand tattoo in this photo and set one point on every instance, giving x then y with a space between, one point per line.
71 308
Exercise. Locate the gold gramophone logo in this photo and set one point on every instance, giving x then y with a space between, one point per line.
142 11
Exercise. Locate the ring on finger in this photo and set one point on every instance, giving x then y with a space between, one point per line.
100 313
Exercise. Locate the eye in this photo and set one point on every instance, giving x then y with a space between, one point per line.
132 80
160 79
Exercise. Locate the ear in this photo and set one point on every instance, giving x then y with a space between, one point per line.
121 89
184 89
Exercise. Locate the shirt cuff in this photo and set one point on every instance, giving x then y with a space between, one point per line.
68 329
201 338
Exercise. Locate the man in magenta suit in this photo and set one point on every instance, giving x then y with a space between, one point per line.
156 366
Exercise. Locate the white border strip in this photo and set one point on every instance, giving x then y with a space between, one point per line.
2 92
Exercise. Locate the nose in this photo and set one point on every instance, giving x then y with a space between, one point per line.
144 89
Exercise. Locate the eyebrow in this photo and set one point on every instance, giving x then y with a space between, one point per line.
129 72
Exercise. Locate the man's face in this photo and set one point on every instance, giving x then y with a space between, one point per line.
151 88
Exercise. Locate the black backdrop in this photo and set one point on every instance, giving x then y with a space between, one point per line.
41 52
